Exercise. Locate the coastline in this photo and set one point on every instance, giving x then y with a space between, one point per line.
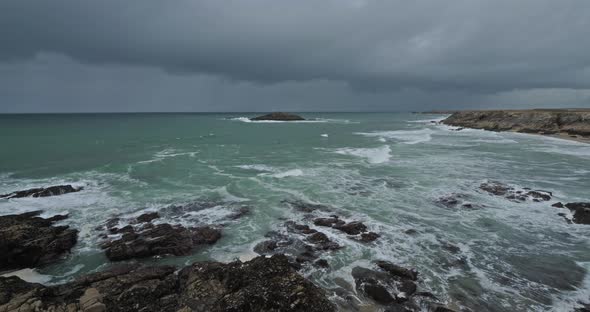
566 124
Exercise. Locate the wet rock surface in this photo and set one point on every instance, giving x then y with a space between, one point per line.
262 284
147 239
43 191
161 239
27 240
509 192
279 116
581 212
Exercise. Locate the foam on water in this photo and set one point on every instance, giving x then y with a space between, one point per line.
405 136
375 155
288 173
30 275
318 120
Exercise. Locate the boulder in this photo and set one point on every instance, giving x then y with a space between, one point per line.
262 284
581 212
148 217
27 240
43 191
278 116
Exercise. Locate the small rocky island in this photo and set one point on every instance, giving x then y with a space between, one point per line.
278 116
571 123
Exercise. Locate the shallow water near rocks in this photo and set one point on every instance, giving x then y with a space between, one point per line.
386 170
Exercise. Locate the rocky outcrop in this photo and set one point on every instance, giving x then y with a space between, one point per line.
43 191
278 116
517 195
581 212
262 284
157 240
570 122
356 229
27 240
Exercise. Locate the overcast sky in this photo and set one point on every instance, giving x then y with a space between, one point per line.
298 55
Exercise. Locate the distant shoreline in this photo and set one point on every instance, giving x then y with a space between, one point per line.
568 124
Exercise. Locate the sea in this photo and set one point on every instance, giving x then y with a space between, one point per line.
387 170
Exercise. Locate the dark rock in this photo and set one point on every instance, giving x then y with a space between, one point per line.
161 239
279 116
43 192
557 205
411 231
28 241
440 308
266 247
262 284
148 217
329 222
322 241
378 293
368 237
581 212
541 195
322 263
351 228
396 270
495 188
299 228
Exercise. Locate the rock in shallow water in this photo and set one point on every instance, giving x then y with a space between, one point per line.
581 212
161 239
262 284
278 116
27 240
43 192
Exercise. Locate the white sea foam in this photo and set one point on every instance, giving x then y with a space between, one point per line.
325 135
315 120
31 276
288 173
405 136
571 300
257 167
373 155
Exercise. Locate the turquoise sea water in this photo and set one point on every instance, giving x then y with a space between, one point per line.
384 169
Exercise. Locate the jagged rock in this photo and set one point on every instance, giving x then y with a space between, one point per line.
322 263
508 192
570 122
397 270
351 228
43 191
328 222
262 284
322 242
279 116
27 240
148 217
581 212
299 228
557 205
161 239
368 237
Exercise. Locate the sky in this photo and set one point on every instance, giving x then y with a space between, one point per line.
297 55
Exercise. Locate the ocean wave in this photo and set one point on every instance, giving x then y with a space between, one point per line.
406 136
168 153
288 173
257 167
373 155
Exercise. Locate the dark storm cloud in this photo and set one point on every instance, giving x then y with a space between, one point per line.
375 46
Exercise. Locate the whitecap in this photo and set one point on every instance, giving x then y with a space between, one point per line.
324 135
288 173
373 155
406 136
257 167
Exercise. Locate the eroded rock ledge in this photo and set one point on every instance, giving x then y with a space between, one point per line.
279 117
262 284
568 122
27 240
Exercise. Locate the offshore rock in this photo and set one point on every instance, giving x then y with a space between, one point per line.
581 212
278 116
262 284
27 240
43 192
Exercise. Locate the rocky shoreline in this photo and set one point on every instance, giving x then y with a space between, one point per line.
272 281
568 124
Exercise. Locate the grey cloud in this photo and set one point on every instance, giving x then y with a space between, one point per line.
471 46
